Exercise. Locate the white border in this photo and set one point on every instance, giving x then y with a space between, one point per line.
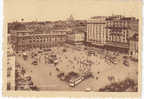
1 53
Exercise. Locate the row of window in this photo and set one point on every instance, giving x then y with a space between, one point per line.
117 23
46 40
35 46
117 39
42 39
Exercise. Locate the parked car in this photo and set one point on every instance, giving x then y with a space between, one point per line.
61 76
47 49
53 59
40 51
91 52
35 63
125 57
88 89
28 78
126 63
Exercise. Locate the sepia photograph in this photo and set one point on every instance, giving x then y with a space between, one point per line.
88 46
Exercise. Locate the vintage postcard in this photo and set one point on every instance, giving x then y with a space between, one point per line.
72 48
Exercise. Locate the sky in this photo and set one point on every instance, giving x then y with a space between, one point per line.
51 10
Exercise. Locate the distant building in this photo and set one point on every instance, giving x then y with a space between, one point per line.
70 21
71 18
133 47
11 73
10 68
119 29
59 36
10 51
76 37
96 31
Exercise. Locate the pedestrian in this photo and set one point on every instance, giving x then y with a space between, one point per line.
50 73
39 58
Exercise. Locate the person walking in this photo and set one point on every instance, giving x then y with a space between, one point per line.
39 59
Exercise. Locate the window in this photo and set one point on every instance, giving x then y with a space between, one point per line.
131 53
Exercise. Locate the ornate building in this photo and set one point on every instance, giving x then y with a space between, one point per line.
133 47
76 37
27 40
119 30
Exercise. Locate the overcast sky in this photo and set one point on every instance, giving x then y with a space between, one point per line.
52 10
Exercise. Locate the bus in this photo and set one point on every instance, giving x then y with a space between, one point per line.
75 82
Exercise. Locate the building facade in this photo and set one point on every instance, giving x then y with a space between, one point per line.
10 68
119 29
133 49
28 40
76 37
96 31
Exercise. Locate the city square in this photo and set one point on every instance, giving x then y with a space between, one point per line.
105 72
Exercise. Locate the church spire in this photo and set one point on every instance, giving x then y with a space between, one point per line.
71 18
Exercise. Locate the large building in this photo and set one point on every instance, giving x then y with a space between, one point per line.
10 68
119 30
96 31
111 32
76 37
133 47
28 40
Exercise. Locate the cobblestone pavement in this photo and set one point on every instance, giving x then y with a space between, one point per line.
44 75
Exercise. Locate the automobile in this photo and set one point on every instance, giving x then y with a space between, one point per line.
35 63
91 52
53 59
134 59
28 78
57 69
114 62
27 87
47 49
53 55
87 75
125 57
88 89
19 54
64 50
61 76
126 63
40 51
18 65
